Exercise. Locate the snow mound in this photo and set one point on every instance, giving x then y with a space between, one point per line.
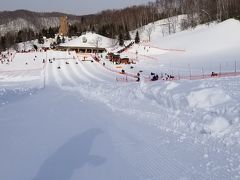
207 98
218 125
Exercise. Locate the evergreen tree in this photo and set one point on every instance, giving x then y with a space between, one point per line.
137 38
19 37
31 35
120 39
40 39
73 30
59 40
102 30
127 34
10 39
3 43
35 47
45 33
63 39
51 33
93 29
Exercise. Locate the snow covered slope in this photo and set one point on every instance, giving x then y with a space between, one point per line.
206 48
70 119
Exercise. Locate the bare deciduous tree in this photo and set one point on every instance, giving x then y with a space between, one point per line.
149 29
97 41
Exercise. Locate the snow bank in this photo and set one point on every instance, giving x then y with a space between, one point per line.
218 125
207 98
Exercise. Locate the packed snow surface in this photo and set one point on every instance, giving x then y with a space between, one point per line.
63 118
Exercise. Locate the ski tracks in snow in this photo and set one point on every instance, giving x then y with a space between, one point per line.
159 137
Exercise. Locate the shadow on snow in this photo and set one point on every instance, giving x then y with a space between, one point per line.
71 156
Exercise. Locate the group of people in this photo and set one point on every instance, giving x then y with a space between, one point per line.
6 57
168 77
59 67
146 48
155 77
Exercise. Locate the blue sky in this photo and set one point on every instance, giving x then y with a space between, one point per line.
79 7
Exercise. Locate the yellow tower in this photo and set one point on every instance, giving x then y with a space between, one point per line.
63 30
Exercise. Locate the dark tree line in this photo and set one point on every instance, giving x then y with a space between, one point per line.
10 39
199 11
50 32
24 35
113 23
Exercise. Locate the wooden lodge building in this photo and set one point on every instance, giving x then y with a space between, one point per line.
94 43
82 49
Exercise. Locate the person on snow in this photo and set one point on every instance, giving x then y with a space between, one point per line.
138 77
155 77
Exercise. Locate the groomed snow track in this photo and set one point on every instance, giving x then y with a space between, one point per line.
86 125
